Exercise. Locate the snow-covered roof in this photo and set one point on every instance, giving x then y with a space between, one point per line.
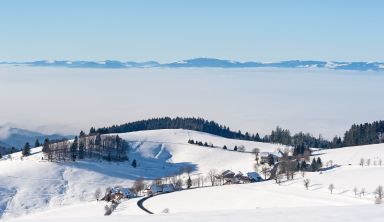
228 173
254 175
125 191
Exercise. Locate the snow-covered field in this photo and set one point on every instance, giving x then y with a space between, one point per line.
64 191
91 212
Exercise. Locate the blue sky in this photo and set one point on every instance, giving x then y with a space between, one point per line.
344 30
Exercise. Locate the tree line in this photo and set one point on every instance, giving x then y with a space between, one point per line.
362 134
197 124
105 147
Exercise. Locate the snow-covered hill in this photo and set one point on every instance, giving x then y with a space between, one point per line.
159 153
65 190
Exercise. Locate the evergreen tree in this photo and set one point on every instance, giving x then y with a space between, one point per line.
81 150
73 149
134 164
46 151
26 150
303 165
92 131
319 163
37 143
235 149
189 182
225 147
314 166
98 140
82 134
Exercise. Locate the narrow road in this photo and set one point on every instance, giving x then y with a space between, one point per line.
141 201
141 206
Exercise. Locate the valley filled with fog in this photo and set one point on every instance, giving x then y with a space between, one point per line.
65 100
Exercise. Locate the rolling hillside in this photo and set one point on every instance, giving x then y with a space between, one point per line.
58 189
159 153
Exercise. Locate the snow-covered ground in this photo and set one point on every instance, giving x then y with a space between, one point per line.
31 184
91 212
64 191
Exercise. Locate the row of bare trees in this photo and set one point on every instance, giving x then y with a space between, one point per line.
369 162
378 192
106 147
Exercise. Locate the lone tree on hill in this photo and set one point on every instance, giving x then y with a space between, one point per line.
306 183
331 187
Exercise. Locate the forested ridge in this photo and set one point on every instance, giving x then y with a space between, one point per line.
358 134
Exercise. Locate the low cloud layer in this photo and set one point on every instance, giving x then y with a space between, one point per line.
255 100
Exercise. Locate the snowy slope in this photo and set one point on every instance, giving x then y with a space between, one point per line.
65 190
346 176
159 153
352 155
91 212
248 196
170 145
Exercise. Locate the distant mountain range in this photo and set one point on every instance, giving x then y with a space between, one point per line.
208 63
15 137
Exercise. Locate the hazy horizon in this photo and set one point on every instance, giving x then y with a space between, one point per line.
62 100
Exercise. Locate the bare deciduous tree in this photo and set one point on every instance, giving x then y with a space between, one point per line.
362 192
379 194
256 151
278 177
98 194
265 171
331 187
355 190
368 162
362 161
138 185
241 148
179 184
306 183
212 174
